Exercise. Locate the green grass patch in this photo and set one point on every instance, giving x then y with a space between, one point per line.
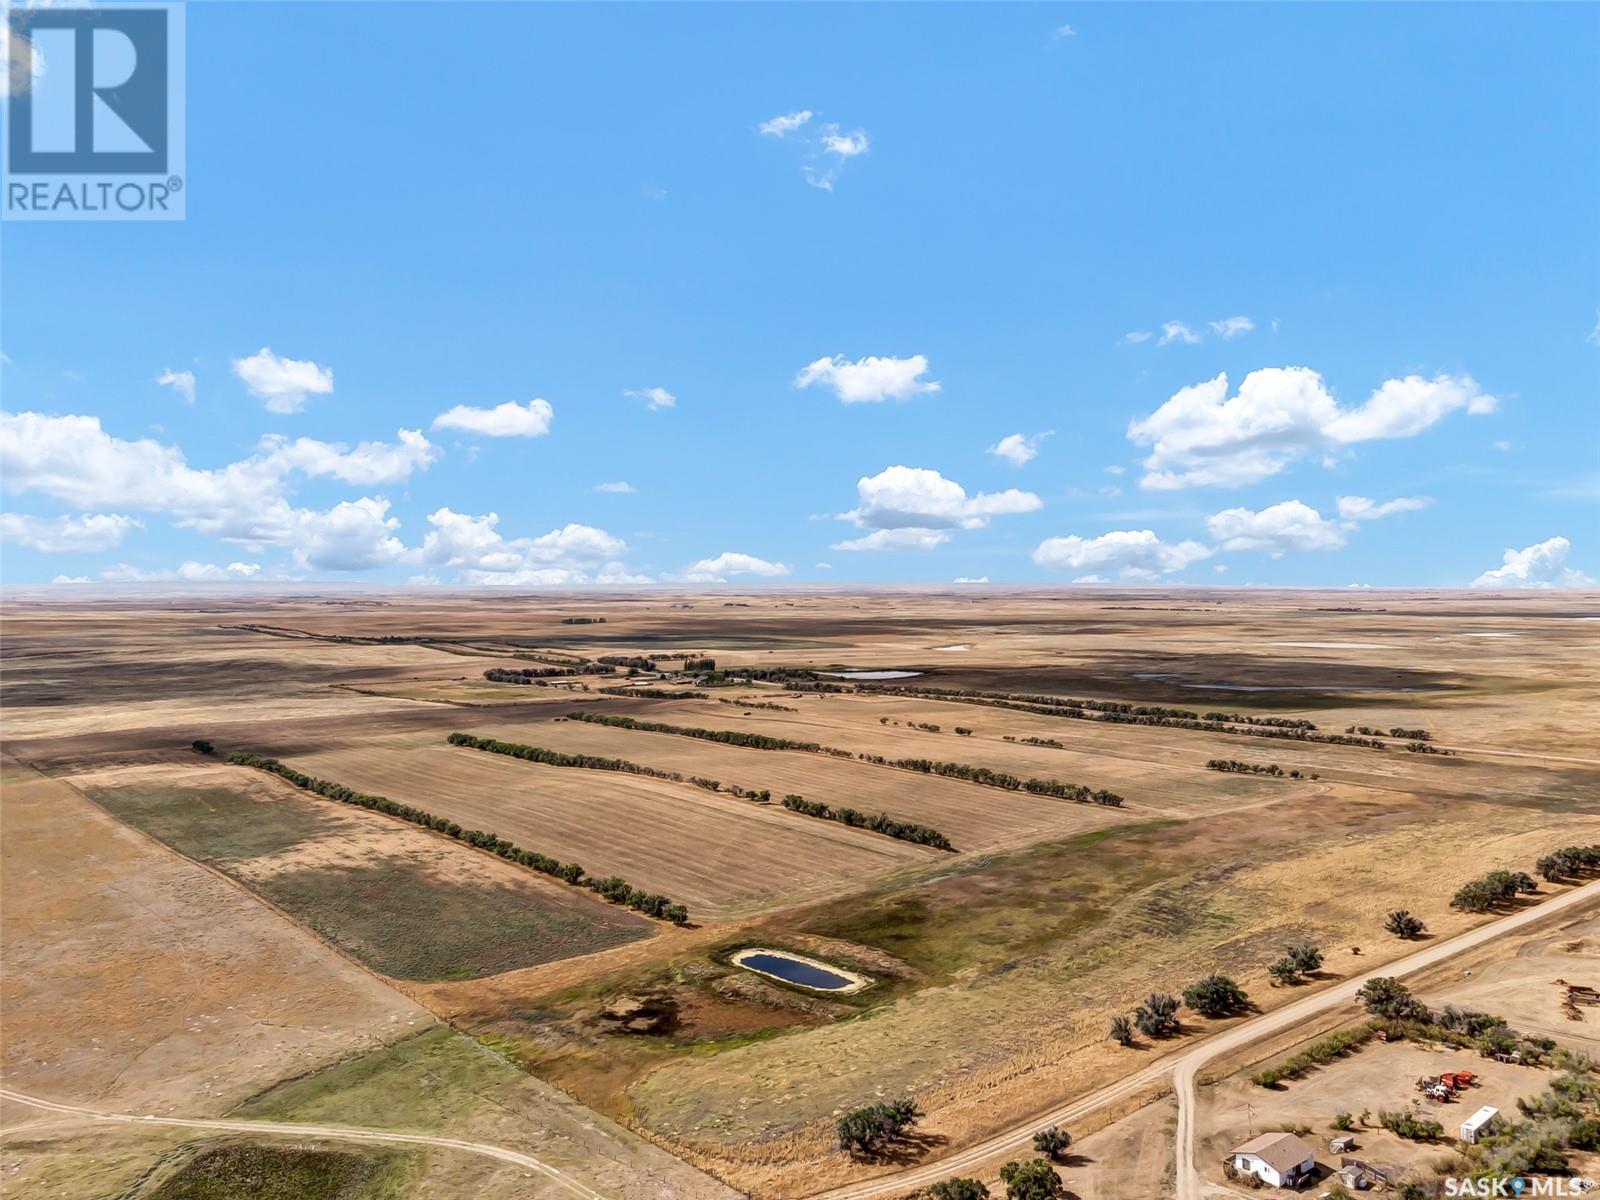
999 909
398 916
420 1083
213 824
260 1171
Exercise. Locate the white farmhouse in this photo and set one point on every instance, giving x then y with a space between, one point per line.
1279 1159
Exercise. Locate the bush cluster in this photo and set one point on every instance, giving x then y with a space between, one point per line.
612 888
865 1130
906 831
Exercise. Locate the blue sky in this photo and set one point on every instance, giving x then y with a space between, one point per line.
1377 222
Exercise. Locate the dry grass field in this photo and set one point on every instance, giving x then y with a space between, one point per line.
994 968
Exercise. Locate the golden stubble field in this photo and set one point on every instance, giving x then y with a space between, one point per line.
998 965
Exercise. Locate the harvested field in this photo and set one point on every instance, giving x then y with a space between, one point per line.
974 817
717 854
407 903
138 980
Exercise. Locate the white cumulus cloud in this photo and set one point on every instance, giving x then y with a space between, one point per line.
902 497
369 463
282 383
1019 449
1204 437
1542 565
86 534
503 420
1134 554
895 539
571 555
1288 525
869 379
716 570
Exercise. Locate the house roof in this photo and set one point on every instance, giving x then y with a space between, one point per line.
1280 1151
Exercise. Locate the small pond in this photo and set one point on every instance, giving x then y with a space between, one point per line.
869 674
800 971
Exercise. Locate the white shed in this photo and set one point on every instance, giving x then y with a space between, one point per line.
1280 1159
1478 1123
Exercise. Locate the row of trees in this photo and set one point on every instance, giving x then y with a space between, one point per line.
1492 891
1395 731
1127 714
633 662
905 831
727 737
613 888
998 779
526 675
1245 719
767 704
654 693
1569 862
925 766
555 758
1236 767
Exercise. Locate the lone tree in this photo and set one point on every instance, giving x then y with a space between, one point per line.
1052 1142
864 1130
1158 1016
958 1189
1215 996
1121 1030
1402 924
1032 1180
1306 959
1284 971
1386 997
201 746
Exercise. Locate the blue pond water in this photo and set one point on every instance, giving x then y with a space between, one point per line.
794 971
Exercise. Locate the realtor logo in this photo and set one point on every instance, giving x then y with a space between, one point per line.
94 113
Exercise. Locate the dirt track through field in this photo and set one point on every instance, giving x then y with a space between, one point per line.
336 1132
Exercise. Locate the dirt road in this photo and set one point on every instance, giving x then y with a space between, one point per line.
1184 1066
332 1132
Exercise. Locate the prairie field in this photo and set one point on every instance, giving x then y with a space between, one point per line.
993 967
